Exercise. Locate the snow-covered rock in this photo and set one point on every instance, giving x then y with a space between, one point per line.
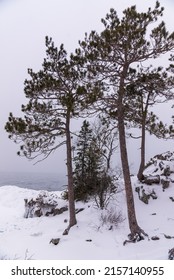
44 204
162 165
160 170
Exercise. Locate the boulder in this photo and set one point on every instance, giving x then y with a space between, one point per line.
167 171
165 156
165 183
149 180
57 211
143 196
55 241
155 238
162 164
171 254
44 204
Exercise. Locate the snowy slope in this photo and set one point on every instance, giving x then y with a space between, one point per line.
91 238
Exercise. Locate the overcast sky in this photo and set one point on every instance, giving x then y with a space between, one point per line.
23 27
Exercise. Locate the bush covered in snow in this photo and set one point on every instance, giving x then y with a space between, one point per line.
111 218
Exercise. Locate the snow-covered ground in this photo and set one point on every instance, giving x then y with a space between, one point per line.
92 237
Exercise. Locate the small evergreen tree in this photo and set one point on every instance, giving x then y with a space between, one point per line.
92 172
87 163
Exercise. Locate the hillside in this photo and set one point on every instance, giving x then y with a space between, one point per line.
99 234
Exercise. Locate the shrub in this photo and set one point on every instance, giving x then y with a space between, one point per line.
111 218
105 190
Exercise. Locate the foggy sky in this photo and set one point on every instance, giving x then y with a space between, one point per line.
23 27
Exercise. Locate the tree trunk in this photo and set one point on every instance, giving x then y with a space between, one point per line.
142 162
72 216
133 225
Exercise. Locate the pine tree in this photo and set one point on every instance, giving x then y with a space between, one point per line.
87 163
56 95
149 88
110 56
92 172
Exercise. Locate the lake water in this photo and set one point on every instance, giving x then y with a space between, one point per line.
36 181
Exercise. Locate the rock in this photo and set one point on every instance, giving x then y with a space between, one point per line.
44 204
153 195
143 196
165 183
167 171
155 237
57 211
161 165
149 180
137 189
38 213
165 156
55 241
171 254
168 236
79 210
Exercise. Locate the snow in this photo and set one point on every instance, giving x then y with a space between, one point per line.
92 237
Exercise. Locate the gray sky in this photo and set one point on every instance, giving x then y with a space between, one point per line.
23 27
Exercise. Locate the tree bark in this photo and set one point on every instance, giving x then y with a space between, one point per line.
142 163
133 225
72 216
143 137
